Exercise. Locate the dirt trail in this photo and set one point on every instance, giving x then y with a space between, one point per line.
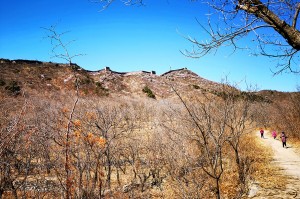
288 161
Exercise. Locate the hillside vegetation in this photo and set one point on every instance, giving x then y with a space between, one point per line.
70 133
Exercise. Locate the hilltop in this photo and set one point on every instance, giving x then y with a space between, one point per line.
29 75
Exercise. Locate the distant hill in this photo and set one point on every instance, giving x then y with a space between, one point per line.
17 76
30 74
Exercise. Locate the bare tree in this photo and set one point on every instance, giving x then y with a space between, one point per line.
210 132
284 114
272 25
60 48
101 132
12 132
58 44
24 152
204 126
241 116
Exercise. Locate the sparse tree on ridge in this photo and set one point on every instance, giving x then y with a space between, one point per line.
58 44
60 48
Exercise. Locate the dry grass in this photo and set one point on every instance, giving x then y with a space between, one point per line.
295 144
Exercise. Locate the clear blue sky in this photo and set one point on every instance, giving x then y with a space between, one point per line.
129 38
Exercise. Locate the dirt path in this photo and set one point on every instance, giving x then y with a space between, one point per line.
288 161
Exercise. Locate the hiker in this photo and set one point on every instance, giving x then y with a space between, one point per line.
274 134
283 139
261 133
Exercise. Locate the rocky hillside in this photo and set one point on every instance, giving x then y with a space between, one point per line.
17 76
30 76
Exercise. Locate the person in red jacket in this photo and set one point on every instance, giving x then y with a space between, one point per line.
261 133
274 134
283 139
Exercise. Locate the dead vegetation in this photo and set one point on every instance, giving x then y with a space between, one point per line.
196 144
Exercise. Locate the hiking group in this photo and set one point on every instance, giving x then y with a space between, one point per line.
274 135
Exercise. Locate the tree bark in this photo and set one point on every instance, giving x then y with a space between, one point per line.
290 33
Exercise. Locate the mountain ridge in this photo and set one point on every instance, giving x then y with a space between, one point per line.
34 72
23 74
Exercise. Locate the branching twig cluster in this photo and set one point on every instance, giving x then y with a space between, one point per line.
106 3
60 49
273 24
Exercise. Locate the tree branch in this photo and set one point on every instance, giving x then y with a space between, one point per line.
295 19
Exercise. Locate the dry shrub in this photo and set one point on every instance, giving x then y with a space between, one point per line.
229 183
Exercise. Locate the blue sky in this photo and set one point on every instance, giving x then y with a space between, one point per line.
130 38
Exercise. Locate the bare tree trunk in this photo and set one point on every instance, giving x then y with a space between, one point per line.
218 193
67 150
288 32
108 176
